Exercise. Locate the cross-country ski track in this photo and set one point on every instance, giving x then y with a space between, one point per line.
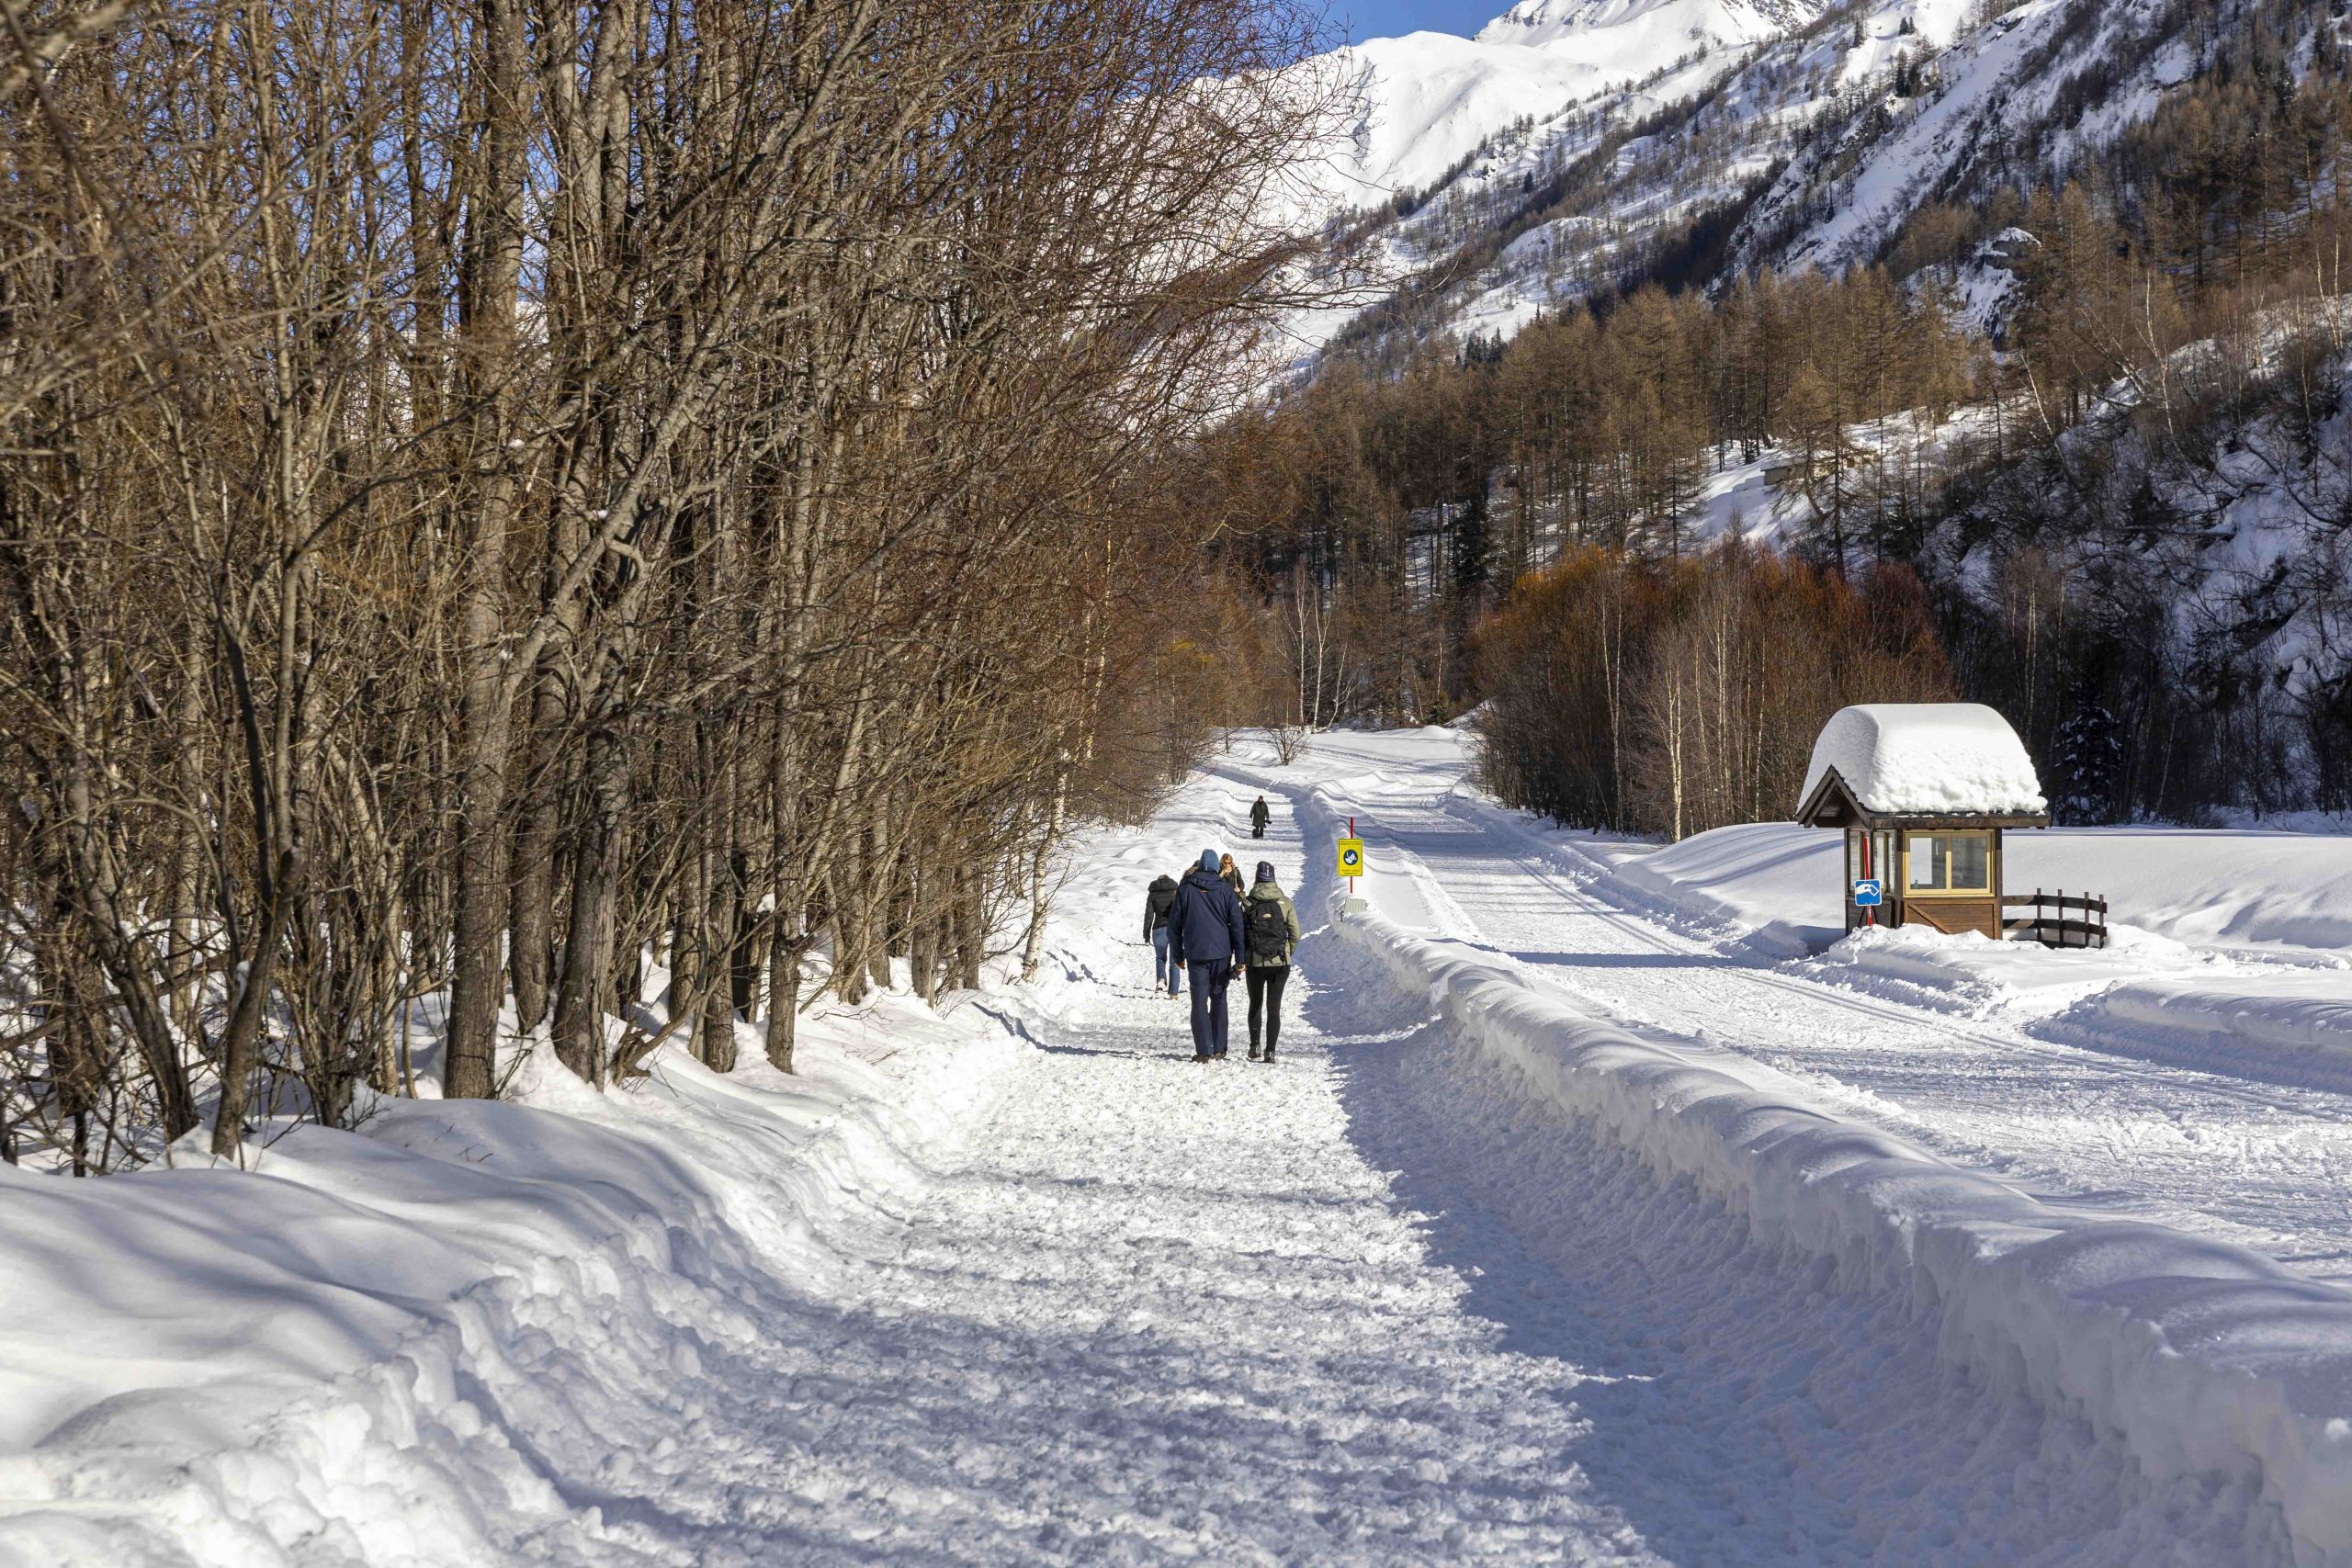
1416 1293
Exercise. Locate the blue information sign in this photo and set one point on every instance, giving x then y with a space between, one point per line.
1867 895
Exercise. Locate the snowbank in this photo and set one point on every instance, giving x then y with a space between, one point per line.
2293 1027
2195 1355
2250 889
1915 757
1982 977
384 1335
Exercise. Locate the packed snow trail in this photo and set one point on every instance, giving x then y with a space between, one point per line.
1371 1305
2264 1165
1166 1312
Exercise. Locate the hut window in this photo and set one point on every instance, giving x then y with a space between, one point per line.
1950 863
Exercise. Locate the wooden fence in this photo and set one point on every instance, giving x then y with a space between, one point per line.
2049 924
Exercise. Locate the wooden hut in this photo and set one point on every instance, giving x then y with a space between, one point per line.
1923 791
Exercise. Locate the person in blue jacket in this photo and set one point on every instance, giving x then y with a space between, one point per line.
1205 927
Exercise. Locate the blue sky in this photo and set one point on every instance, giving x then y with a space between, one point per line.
1387 18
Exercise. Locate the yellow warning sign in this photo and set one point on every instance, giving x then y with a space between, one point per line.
1351 857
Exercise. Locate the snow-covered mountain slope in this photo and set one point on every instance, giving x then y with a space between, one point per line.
1761 135
1659 30
1423 102
2045 82
1415 107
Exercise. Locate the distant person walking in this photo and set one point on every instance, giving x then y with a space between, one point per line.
1158 900
1205 928
1271 936
1259 815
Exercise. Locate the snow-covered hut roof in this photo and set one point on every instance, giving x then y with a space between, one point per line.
1910 759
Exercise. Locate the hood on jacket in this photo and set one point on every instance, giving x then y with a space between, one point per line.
1208 862
1162 883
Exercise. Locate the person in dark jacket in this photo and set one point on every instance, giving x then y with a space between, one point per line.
1259 815
1271 927
1205 926
1167 968
1230 874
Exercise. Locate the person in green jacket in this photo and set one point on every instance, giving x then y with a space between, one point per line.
1271 924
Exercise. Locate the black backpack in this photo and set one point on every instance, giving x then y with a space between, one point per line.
1269 933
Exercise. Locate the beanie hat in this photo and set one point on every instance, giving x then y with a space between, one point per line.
1265 871
1208 860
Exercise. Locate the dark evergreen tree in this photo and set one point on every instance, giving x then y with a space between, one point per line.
2090 756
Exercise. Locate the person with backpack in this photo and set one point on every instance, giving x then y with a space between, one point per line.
1270 934
1167 968
1205 929
1259 815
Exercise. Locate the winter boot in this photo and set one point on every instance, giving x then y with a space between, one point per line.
1253 1052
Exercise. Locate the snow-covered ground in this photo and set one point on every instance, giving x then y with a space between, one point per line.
2253 890
1996 1056
2103 1228
564 1327
1566 1230
2230 949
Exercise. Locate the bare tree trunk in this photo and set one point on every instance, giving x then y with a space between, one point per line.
922 934
882 863
240 1042
491 288
789 940
530 941
1033 945
586 986
715 1031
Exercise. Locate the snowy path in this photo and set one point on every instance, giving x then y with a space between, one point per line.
1371 1305
2262 1165
1165 1310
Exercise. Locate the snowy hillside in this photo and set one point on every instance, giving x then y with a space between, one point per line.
1715 136
1630 31
1422 103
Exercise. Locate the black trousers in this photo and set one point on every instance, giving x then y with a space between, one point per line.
1257 829
1266 984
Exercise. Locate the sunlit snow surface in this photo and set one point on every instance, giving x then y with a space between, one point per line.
1491 1267
1925 757
1424 102
2090 1216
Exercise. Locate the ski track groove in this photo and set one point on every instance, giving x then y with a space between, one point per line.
2073 1125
